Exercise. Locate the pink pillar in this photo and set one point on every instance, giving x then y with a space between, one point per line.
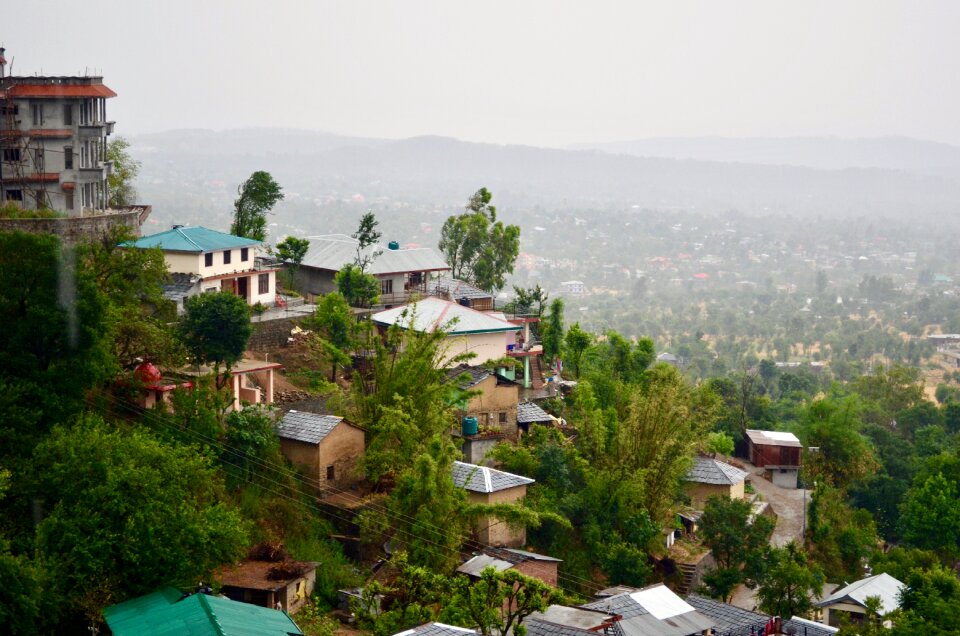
269 386
236 392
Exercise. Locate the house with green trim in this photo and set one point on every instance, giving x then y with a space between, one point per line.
168 612
201 260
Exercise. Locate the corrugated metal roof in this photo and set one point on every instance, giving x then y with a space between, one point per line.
729 620
532 555
168 613
712 471
476 375
882 585
686 624
436 629
331 252
528 413
430 314
307 427
192 239
454 289
475 565
484 479
576 617
773 438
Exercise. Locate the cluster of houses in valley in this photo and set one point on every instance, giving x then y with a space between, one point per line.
501 405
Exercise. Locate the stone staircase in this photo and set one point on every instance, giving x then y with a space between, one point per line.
688 575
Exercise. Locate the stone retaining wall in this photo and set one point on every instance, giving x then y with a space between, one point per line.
76 229
271 334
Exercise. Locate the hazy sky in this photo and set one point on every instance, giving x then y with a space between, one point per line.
546 73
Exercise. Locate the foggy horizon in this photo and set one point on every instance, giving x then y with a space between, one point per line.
538 74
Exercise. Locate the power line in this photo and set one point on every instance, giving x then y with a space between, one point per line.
282 471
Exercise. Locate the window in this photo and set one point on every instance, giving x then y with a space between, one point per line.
68 114
36 111
226 257
10 110
331 472
386 286
211 290
68 158
244 254
68 200
208 259
263 282
38 159
11 154
14 195
503 417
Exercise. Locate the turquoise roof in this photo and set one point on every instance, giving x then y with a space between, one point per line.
192 239
168 613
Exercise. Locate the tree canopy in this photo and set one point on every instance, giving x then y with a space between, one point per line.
123 173
257 196
479 248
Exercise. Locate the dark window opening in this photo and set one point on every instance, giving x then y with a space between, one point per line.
503 417
68 114
68 200
244 254
208 259
14 195
36 110
226 257
68 158
11 154
386 286
330 473
263 283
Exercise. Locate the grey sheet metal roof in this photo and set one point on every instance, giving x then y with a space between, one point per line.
306 427
539 627
621 604
333 251
484 479
882 585
712 471
476 375
575 617
430 314
455 289
180 286
436 629
475 565
729 620
804 627
524 555
687 624
528 412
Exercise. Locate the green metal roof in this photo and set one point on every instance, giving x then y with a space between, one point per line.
168 613
192 239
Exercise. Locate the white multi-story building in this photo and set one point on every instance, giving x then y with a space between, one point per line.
53 142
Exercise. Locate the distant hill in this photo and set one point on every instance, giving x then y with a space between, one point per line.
828 153
438 171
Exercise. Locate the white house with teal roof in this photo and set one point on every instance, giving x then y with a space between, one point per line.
202 260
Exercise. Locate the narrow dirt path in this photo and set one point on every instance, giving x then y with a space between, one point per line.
787 503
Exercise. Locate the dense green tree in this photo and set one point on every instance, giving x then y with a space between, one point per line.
738 544
531 300
576 342
930 514
789 583
215 329
498 602
412 596
360 290
257 196
335 325
552 330
840 537
292 250
126 515
843 455
123 173
479 248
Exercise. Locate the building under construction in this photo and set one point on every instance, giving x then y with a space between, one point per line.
53 138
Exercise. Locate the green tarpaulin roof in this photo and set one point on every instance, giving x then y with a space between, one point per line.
167 613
